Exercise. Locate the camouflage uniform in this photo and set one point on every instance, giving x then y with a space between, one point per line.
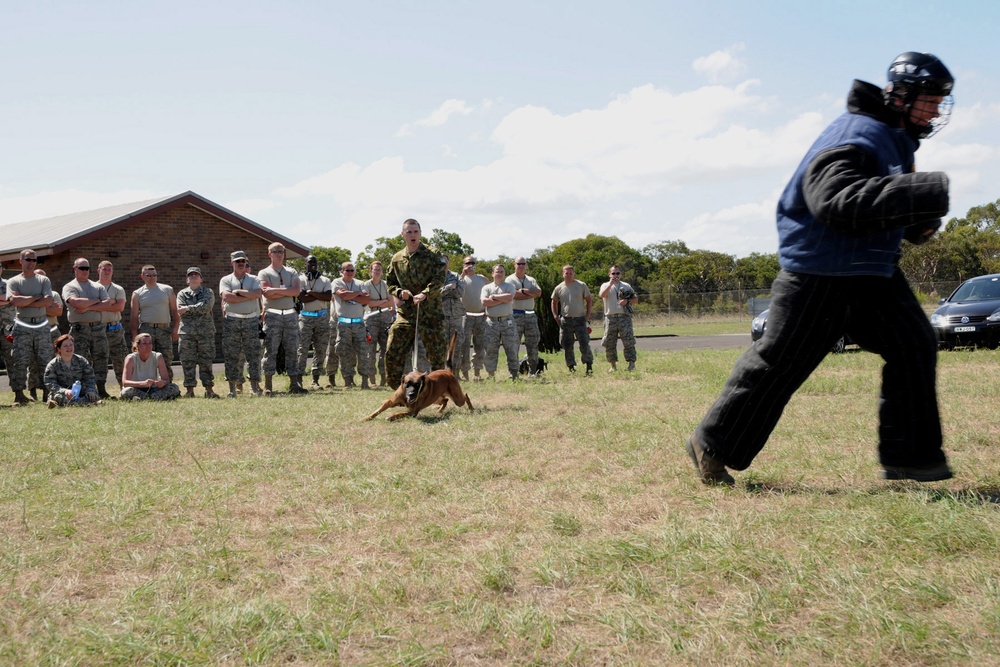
36 372
454 314
352 346
158 298
314 326
377 323
526 320
149 370
573 320
332 358
617 324
473 324
281 323
419 273
60 376
241 329
6 329
501 330
32 340
90 335
197 335
118 347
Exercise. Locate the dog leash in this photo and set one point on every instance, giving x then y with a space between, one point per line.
416 336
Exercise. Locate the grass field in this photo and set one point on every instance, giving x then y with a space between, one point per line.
561 523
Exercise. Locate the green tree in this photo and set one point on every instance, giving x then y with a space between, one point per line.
592 256
329 260
702 271
383 249
756 270
450 244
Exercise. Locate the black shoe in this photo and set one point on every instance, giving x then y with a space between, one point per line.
572 369
934 473
710 470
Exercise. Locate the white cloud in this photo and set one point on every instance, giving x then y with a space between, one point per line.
438 117
721 66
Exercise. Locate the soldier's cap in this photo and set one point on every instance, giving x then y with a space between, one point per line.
311 259
237 254
193 269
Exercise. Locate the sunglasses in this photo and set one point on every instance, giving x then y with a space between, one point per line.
240 261
615 273
82 268
520 263
30 259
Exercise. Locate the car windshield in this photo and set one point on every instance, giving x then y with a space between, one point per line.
978 290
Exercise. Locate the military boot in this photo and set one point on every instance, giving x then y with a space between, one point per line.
210 393
364 382
381 381
332 377
590 369
349 382
21 399
255 388
268 385
102 391
295 385
315 385
232 390
34 394
188 392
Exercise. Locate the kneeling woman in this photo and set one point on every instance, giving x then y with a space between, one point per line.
66 369
145 373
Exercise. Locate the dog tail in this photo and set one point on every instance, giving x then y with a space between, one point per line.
451 350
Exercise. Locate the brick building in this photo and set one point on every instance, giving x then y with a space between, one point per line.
172 233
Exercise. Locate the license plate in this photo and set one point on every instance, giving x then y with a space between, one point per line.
964 329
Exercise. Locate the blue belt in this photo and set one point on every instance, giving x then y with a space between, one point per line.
313 313
523 312
350 320
115 327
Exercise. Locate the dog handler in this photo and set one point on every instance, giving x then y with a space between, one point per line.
841 221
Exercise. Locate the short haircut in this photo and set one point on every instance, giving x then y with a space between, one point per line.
411 221
28 251
138 337
105 263
147 268
374 263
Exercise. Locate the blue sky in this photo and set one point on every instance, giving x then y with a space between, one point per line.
517 125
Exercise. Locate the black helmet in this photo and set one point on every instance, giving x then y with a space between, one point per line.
913 74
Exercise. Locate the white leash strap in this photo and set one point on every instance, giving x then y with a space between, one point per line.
416 336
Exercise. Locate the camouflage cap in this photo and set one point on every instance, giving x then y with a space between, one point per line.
193 269
237 254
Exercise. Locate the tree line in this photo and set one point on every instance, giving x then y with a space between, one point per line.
669 273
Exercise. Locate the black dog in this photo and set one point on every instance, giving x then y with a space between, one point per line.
524 367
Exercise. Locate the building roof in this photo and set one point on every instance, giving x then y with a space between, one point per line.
50 236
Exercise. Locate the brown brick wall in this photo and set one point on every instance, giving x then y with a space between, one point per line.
172 241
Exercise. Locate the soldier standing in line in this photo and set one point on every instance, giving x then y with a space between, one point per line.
619 297
527 290
454 311
415 278
30 294
378 318
195 304
36 374
571 304
498 297
474 322
6 326
240 293
352 345
280 286
111 318
85 300
314 319
153 310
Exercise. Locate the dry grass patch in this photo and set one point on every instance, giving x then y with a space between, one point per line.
561 523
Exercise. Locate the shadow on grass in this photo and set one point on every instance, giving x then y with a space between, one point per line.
983 495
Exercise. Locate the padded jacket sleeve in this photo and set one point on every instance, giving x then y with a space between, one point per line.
842 190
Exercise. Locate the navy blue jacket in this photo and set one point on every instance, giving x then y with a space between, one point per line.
855 194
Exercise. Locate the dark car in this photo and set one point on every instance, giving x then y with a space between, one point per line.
759 325
971 315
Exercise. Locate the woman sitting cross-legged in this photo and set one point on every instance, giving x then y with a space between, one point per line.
65 369
145 373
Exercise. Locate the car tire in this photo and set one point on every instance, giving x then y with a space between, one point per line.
838 347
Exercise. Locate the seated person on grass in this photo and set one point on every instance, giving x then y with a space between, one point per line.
145 373
65 369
